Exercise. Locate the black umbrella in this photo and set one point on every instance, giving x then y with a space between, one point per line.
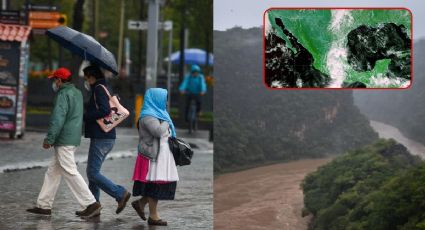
84 46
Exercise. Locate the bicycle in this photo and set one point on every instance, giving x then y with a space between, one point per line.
192 116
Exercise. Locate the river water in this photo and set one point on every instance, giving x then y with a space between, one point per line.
270 197
388 131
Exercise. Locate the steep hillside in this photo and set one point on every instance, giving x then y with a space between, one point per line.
255 125
367 189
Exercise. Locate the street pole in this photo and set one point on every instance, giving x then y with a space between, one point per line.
127 56
152 46
4 4
182 42
181 103
186 38
49 46
170 49
140 58
96 19
160 45
27 6
93 18
60 56
121 35
207 59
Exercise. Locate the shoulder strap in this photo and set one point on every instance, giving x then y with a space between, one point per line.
106 90
94 94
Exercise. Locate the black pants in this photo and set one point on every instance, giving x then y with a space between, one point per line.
197 99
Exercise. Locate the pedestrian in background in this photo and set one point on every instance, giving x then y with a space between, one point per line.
101 142
155 173
64 135
194 86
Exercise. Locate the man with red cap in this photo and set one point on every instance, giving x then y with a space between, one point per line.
64 135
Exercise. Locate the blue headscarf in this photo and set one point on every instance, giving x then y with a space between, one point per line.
155 105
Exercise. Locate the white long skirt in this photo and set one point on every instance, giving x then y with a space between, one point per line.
164 168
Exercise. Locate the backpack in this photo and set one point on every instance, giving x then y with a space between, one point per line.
182 152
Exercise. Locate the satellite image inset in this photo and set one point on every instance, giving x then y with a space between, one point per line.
337 48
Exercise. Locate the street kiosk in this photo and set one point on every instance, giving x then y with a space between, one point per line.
14 61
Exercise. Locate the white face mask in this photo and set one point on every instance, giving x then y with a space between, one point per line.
55 87
87 85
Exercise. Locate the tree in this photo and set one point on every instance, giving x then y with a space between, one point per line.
198 21
366 189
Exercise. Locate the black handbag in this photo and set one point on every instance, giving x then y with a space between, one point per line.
182 152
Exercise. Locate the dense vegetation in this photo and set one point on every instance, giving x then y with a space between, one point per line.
255 125
197 18
380 186
403 109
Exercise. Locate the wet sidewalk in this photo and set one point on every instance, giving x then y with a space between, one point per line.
27 153
192 208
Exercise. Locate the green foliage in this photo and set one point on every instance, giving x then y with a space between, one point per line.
313 30
255 126
380 186
198 20
39 43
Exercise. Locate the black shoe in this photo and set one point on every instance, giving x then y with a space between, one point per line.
123 202
157 222
91 210
139 210
40 211
79 213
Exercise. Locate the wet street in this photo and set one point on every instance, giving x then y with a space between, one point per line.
192 208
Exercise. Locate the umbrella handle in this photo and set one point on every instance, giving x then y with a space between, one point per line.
85 57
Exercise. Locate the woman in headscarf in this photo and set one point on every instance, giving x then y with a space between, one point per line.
155 174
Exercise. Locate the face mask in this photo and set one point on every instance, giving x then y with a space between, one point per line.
87 85
55 87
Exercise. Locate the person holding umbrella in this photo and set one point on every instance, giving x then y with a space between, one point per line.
64 135
101 142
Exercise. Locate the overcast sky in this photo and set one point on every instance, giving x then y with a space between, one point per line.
249 13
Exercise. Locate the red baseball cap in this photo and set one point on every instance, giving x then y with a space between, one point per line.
62 73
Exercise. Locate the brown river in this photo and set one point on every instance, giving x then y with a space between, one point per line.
270 197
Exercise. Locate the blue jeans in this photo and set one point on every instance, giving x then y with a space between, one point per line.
99 148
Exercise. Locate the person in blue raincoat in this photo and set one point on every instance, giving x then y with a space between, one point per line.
155 173
194 87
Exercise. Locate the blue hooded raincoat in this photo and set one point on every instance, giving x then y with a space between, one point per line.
194 85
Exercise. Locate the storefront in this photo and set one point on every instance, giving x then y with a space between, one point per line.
14 59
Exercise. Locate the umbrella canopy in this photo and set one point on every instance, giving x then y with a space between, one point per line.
192 56
84 46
